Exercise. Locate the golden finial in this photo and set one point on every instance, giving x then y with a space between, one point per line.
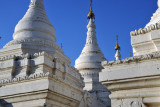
117 47
91 14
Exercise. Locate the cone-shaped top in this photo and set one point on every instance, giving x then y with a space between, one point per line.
117 47
35 24
156 16
91 56
91 14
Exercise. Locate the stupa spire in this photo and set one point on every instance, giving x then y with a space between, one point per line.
89 62
117 49
91 55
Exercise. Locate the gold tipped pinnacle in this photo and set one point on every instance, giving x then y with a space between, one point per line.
117 47
91 14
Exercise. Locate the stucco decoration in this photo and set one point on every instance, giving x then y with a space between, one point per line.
133 103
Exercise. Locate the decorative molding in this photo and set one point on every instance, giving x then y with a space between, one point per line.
22 78
23 56
7 58
91 38
37 30
32 56
146 30
133 59
35 42
89 73
132 102
36 76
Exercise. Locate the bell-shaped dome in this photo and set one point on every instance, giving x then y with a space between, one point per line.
34 33
91 56
35 24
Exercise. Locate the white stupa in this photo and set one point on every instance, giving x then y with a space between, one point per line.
89 63
34 72
91 56
34 33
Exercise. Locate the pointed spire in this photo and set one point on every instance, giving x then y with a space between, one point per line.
89 61
91 56
117 48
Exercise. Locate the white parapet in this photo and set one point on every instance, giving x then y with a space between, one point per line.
147 40
145 43
133 82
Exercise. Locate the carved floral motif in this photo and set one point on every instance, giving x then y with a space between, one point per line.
135 102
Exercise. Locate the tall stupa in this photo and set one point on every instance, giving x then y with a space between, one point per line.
89 62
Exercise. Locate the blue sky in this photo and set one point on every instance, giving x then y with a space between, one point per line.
69 17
